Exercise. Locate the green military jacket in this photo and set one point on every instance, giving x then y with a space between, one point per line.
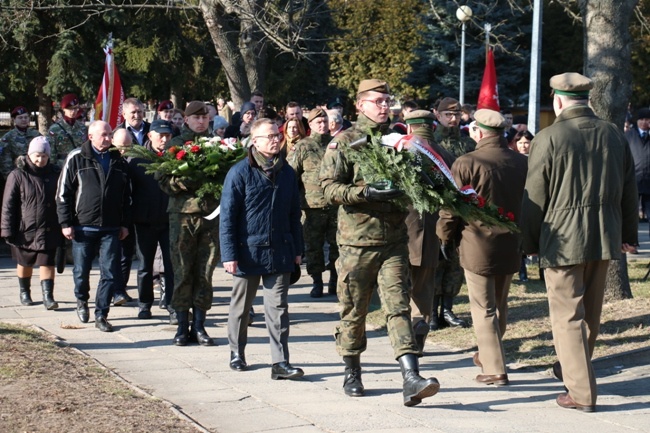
64 138
360 223
580 202
306 161
12 145
453 141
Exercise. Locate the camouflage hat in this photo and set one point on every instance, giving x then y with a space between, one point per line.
196 107
373 85
18 111
490 119
571 84
69 101
419 116
315 113
448 104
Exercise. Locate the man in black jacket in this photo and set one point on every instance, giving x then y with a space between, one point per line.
93 205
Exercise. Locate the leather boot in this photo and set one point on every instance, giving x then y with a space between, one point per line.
449 316
333 282
183 332
198 329
25 292
48 295
434 322
421 330
352 385
415 386
317 287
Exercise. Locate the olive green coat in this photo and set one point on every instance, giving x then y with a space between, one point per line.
306 161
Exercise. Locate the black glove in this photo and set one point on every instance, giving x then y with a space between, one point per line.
447 250
373 194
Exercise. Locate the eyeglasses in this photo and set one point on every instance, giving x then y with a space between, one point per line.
381 103
270 137
450 114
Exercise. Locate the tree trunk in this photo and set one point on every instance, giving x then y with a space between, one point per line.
607 59
44 101
252 48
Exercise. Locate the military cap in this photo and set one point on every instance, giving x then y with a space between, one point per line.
571 84
161 126
196 107
419 116
373 85
448 104
490 119
643 113
69 101
18 111
316 112
165 105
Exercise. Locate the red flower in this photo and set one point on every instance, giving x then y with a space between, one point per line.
195 149
160 154
181 154
481 201
510 216
189 143
500 211
173 150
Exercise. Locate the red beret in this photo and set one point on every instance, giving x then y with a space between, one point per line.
18 111
165 105
69 101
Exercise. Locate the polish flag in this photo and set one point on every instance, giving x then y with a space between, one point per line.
110 98
488 97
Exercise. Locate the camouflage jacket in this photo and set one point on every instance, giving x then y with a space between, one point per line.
12 145
453 141
64 138
360 223
306 161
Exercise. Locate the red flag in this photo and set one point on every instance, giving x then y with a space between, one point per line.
488 97
110 98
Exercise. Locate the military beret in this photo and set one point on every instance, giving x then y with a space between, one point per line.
316 112
448 104
374 85
18 111
490 119
571 84
161 126
247 106
165 105
419 116
643 113
69 101
196 107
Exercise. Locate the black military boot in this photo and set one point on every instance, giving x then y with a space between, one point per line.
317 287
449 316
421 330
352 385
183 332
198 331
415 386
48 295
332 283
25 292
434 322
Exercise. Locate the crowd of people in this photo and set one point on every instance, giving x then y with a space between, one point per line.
298 196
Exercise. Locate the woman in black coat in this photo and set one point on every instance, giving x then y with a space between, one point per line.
29 220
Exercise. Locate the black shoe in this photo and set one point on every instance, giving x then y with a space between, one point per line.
25 290
198 332
144 313
415 387
237 362
452 320
284 370
102 324
121 299
82 311
352 385
47 287
434 323
183 331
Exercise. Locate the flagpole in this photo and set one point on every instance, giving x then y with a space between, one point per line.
488 29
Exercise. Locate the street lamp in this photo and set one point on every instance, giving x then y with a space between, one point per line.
463 13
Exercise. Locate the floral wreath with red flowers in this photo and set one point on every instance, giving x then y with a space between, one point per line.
205 160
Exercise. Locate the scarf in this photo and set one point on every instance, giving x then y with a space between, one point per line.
269 166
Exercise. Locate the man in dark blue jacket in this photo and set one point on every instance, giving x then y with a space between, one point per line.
93 205
261 238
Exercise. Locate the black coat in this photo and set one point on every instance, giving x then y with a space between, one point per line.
149 202
29 219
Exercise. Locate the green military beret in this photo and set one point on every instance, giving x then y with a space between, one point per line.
196 107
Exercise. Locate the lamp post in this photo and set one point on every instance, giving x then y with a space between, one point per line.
463 13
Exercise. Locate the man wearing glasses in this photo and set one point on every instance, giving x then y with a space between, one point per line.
373 252
261 239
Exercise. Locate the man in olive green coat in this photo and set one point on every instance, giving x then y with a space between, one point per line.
579 212
372 251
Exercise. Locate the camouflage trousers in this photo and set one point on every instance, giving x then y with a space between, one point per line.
194 244
449 276
360 269
320 226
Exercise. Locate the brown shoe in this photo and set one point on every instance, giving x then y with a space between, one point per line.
564 400
477 361
493 379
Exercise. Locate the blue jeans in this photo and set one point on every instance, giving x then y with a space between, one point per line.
84 248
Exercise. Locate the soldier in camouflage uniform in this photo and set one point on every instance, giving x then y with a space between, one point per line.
67 133
449 275
194 240
320 217
373 252
15 142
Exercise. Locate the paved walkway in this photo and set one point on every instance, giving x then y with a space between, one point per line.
200 383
